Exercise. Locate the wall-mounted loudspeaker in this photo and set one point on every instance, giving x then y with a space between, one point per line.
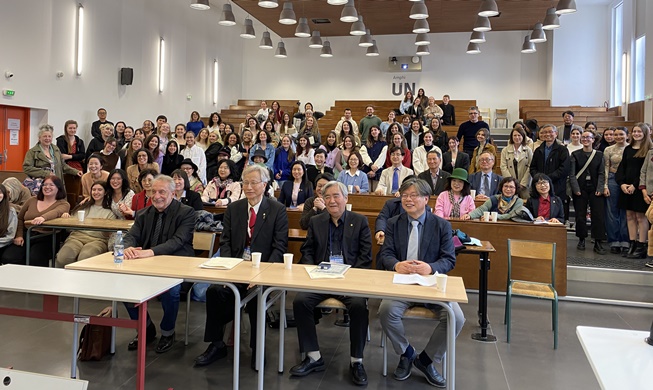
126 76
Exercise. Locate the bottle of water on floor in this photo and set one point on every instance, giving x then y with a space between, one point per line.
118 249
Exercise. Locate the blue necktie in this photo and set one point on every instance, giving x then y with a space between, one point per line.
395 181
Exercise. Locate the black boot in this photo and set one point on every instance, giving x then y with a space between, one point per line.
631 249
640 251
598 248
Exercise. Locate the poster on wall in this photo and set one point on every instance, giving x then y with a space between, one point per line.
13 137
13 124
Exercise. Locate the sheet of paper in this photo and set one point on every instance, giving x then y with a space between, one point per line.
427 281
221 263
334 273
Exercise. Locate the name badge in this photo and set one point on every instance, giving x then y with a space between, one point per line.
336 259
247 254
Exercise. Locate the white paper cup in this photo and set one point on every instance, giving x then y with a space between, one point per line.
81 214
348 206
441 280
472 193
493 216
287 260
350 188
486 216
256 259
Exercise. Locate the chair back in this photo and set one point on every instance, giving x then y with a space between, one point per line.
204 241
534 251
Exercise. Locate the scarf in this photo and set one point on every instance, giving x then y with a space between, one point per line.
505 204
221 187
455 206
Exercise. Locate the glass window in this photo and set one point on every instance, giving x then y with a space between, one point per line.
640 62
617 51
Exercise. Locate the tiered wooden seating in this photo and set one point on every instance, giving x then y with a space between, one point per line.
236 113
546 114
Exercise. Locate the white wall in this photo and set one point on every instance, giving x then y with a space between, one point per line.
581 57
496 78
119 33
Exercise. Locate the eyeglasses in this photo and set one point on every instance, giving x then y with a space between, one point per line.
508 187
486 160
251 183
411 196
542 183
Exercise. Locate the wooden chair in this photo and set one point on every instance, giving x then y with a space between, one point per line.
415 313
501 114
332 303
485 115
203 241
532 251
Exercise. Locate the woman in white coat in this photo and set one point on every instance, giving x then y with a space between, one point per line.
516 161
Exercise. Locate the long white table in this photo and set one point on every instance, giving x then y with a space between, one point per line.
357 283
53 283
620 358
21 380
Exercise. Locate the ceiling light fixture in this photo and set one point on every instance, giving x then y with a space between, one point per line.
372 51
419 10
228 18
421 26
538 35
528 46
566 7
326 50
337 2
316 40
423 50
482 24
422 39
268 3
477 37
200 5
287 14
349 13
358 28
488 8
366 40
248 30
266 41
281 51
551 20
302 30
473 48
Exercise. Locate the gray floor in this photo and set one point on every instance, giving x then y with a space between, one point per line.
528 362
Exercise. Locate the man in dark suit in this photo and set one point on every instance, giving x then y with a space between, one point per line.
552 159
417 242
254 224
164 228
435 176
449 113
485 182
337 236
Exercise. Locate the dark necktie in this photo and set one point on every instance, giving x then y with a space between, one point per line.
486 185
157 229
250 225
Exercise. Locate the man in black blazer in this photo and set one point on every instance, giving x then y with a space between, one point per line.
337 236
435 176
476 179
254 224
417 242
164 228
552 159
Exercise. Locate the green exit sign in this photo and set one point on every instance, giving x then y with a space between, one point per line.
8 92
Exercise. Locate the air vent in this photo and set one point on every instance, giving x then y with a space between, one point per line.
320 21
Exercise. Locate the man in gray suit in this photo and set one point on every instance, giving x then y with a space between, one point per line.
485 182
337 236
418 242
435 176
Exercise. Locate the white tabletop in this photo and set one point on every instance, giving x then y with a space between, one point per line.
82 284
21 380
620 358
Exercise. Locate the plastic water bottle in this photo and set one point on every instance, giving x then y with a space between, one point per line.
118 249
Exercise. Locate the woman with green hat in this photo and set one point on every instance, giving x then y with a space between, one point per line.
456 199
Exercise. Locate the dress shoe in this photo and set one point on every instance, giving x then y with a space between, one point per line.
150 336
212 353
358 374
581 244
432 375
639 252
165 343
307 366
615 249
598 248
402 372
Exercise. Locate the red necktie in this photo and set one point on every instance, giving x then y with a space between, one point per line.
252 221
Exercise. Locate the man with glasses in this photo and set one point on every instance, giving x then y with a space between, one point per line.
102 119
254 224
485 182
552 159
392 177
418 242
467 130
342 237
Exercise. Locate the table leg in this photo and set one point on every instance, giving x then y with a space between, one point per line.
451 346
260 333
114 314
28 235
142 336
236 335
73 364
282 329
484 267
